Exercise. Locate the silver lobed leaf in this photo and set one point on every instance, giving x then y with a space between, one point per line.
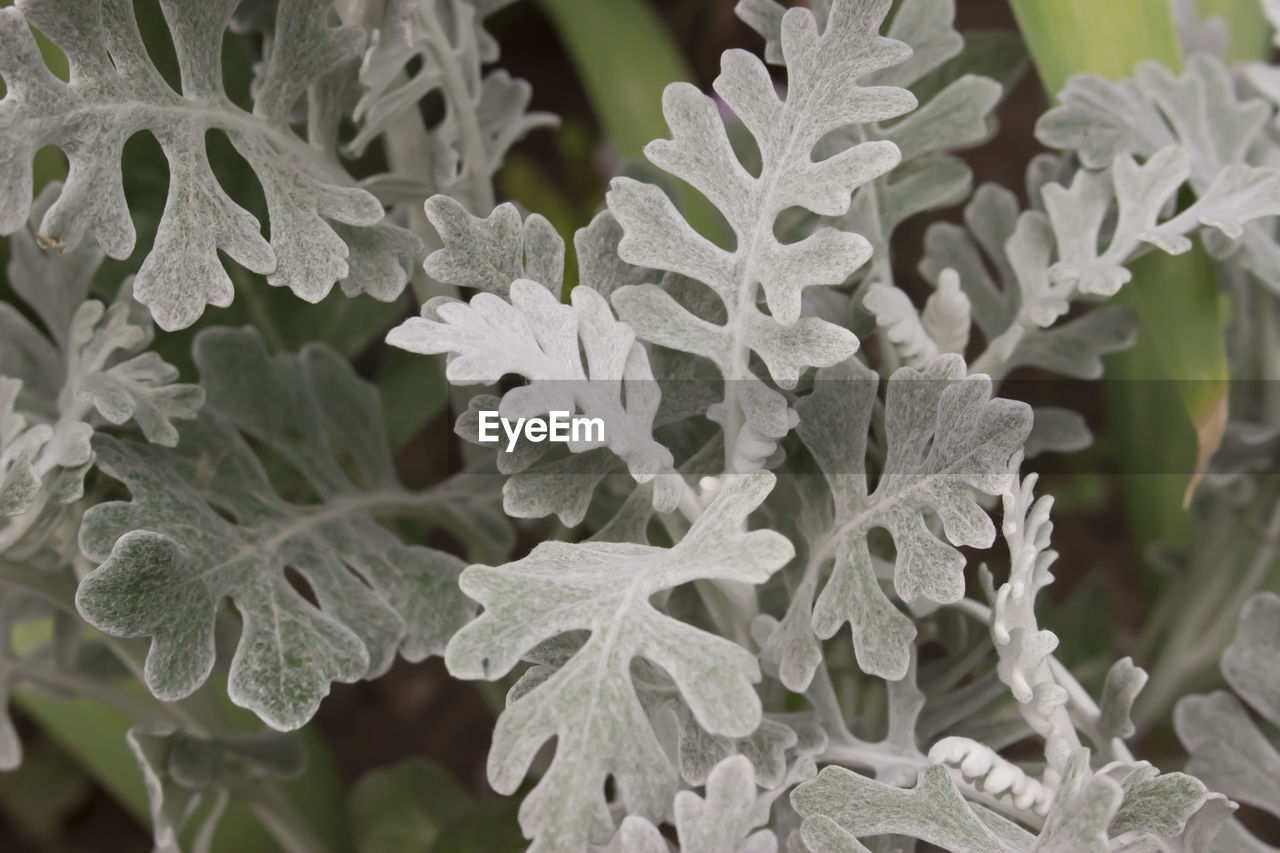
537 337
787 131
114 91
205 523
590 704
947 438
1198 111
490 254
87 367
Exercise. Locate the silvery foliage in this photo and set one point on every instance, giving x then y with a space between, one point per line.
324 228
658 651
1000 259
518 269
205 522
78 368
1230 751
948 440
1222 137
635 695
1135 144
323 590
85 369
589 703
1069 805
485 113
611 674
819 101
1046 259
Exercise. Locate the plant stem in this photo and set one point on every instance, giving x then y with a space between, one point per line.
281 818
144 710
475 156
1201 636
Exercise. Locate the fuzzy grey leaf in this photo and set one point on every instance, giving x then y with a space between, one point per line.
94 360
20 449
205 523
563 487
818 102
839 806
723 820
1155 803
54 284
114 91
1198 111
946 438
490 254
589 704
698 751
141 388
1249 664
1124 682
86 362
1082 811
598 261
537 337
1229 752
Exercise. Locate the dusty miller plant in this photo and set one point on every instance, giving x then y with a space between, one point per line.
792 445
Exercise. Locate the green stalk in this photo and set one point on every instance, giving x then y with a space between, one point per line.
624 56
1104 37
